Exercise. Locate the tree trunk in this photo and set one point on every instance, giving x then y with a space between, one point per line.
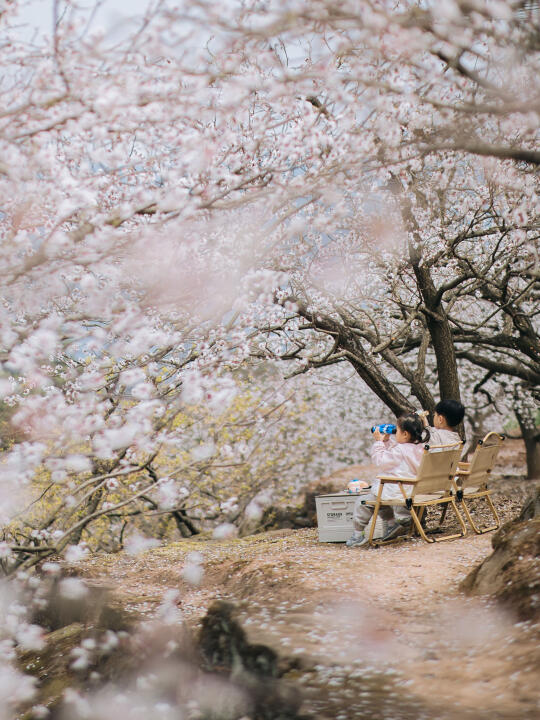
436 319
186 527
443 346
532 449
531 438
525 412
439 329
90 508
476 419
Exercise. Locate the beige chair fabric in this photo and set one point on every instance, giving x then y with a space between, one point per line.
433 485
471 482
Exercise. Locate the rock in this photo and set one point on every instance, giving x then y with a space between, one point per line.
337 482
50 666
67 621
224 644
272 518
276 518
303 514
320 488
93 607
512 572
531 508
253 669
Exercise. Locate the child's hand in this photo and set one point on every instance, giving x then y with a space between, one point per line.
378 436
423 415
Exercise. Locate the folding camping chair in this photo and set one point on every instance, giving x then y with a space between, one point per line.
471 481
433 485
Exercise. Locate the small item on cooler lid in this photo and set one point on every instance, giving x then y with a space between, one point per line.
356 486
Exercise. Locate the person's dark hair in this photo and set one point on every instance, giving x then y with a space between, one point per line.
413 425
451 410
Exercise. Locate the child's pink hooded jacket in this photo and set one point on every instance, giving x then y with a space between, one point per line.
395 459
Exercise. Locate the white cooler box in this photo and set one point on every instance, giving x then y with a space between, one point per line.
335 517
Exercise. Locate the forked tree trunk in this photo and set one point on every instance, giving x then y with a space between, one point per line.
440 332
434 312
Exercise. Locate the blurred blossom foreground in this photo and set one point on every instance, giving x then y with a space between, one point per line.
234 236
277 625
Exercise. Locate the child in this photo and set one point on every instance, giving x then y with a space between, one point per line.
446 418
399 458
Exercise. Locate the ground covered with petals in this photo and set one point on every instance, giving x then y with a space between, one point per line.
382 632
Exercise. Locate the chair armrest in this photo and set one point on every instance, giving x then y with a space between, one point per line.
492 435
403 481
448 446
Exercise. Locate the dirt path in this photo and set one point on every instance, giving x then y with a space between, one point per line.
367 633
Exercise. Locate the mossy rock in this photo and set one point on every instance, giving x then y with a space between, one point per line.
512 572
50 666
253 668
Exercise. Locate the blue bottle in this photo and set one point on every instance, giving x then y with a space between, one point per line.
386 429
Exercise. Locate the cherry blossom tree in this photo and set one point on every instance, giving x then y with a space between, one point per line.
405 250
349 184
354 185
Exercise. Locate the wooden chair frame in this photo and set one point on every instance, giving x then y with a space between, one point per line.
433 485
476 473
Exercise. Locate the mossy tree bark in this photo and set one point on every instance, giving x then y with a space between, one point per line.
531 437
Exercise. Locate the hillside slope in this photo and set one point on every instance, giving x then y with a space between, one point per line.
360 630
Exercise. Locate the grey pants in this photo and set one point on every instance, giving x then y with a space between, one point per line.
362 513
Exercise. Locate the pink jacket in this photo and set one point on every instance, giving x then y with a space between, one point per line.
395 459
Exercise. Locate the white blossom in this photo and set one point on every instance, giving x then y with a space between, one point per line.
224 531
136 544
72 588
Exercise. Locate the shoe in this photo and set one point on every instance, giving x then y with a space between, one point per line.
397 530
358 541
